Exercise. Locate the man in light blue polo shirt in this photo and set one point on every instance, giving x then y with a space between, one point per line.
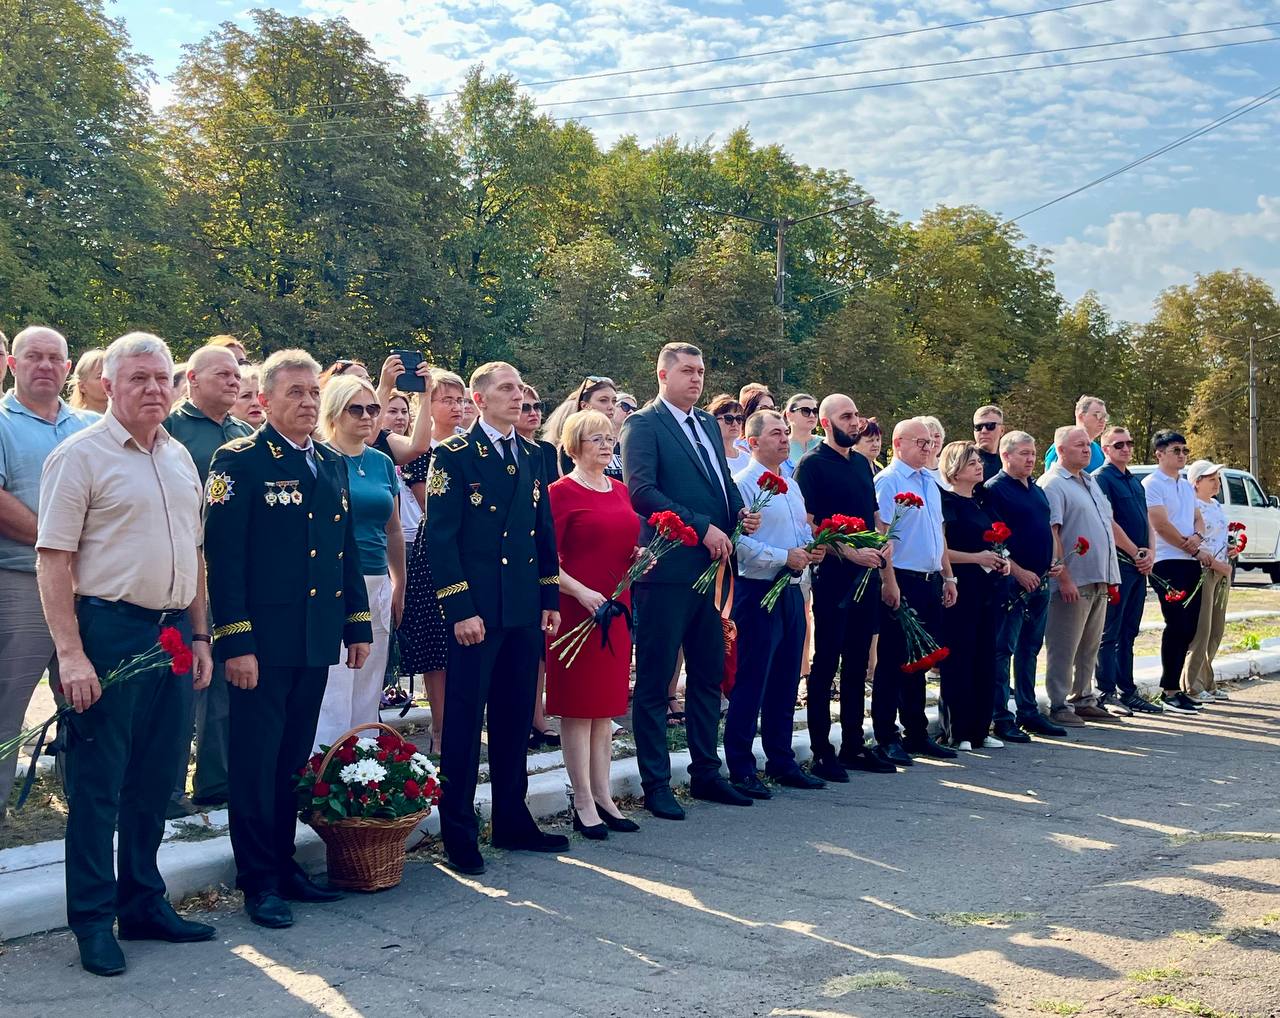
33 419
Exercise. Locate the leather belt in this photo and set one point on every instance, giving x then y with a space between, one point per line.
133 611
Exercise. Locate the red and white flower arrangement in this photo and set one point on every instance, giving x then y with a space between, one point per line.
384 777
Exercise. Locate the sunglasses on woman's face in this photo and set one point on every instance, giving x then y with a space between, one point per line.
358 410
529 408
627 408
807 411
733 418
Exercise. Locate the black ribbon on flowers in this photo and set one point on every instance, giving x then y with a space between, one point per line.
604 616
30 779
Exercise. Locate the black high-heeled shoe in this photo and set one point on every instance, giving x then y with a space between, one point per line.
593 832
620 824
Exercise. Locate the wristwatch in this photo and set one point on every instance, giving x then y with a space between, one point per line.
201 638
951 579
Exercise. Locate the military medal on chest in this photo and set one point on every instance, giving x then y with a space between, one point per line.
475 497
282 493
537 491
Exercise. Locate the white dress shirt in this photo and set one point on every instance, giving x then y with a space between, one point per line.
496 437
783 526
681 416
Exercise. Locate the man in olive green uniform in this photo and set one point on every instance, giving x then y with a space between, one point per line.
285 587
491 545
202 423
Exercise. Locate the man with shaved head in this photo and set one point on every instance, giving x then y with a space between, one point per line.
33 419
919 576
833 481
203 423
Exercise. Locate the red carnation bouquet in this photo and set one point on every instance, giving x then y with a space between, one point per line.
669 531
903 503
1237 541
769 484
384 777
169 649
1081 547
923 651
997 535
836 529
1168 592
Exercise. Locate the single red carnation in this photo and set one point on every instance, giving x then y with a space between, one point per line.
320 789
1113 594
942 653
1003 531
688 536
411 789
182 662
171 640
769 481
1082 546
346 754
388 742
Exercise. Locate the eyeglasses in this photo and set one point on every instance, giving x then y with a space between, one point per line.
599 440
807 411
924 444
987 425
448 400
358 411
625 407
1122 445
529 408
732 418
1177 450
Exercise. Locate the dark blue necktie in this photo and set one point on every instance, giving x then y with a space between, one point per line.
702 449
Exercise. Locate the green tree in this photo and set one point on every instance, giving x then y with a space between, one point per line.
312 194
82 214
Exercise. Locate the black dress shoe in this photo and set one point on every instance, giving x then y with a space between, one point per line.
100 954
467 861
592 832
719 790
796 778
298 886
870 760
161 922
752 786
1038 724
539 740
927 747
1011 733
829 769
662 804
268 909
209 801
619 824
534 840
894 753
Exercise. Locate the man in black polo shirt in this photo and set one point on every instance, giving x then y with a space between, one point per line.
1012 497
1114 670
203 423
834 479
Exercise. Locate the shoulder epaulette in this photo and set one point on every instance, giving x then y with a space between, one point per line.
455 443
241 444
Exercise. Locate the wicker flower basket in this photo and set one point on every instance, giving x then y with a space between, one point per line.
365 853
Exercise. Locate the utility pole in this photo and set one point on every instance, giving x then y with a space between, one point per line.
1254 463
780 226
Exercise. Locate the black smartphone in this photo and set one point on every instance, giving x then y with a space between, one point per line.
410 381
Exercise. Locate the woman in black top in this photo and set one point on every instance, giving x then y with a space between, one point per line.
969 627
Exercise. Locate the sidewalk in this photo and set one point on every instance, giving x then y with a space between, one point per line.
32 876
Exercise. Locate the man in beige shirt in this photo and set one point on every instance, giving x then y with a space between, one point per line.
119 556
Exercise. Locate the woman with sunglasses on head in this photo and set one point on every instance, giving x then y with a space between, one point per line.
595 393
802 419
349 414
729 415
527 425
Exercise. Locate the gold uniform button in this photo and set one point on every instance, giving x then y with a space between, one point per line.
311 516
313 553
337 593
504 533
313 591
339 554
533 533
493 508
504 561
337 518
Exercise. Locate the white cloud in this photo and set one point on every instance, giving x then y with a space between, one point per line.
1132 257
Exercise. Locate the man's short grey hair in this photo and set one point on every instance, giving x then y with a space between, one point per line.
1060 435
37 332
285 360
990 408
1013 439
757 421
1085 403
133 344
668 354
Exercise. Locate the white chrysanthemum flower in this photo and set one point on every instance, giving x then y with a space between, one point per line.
363 772
421 766
366 744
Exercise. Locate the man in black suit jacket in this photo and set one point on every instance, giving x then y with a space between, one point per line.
673 459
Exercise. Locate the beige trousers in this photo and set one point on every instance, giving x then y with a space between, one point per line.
1197 676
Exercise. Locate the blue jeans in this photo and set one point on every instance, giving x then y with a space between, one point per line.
1114 669
1019 641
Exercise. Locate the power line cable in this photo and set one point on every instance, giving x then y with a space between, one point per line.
915 81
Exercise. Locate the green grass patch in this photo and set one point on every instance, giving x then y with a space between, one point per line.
1155 975
1198 937
880 980
1058 1006
996 920
1169 1002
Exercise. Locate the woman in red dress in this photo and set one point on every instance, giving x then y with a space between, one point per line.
596 532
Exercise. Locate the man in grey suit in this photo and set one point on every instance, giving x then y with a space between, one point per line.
673 459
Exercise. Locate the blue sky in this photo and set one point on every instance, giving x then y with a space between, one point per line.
1005 142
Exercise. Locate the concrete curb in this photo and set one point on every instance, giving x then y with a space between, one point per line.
32 876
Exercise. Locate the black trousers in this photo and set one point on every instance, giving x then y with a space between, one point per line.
1180 619
118 772
501 674
271 729
842 633
676 616
894 690
969 672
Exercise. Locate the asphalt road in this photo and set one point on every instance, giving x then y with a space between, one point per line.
1129 870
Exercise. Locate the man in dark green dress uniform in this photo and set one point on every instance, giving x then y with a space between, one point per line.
491 545
202 423
285 589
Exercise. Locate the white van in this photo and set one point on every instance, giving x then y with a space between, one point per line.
1245 501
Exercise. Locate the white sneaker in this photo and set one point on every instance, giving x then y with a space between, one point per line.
965 746
1205 697
992 743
